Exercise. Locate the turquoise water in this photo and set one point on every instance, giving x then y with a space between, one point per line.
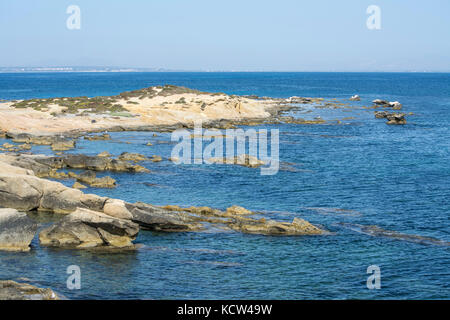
362 172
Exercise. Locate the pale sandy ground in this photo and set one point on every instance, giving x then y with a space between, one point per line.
158 110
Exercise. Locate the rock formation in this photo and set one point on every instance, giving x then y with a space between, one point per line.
87 229
17 230
12 290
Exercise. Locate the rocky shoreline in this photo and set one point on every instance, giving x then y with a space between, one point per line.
93 221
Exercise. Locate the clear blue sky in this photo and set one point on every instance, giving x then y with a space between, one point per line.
246 35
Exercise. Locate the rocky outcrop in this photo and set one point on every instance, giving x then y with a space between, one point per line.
237 210
157 219
271 227
242 160
396 118
234 219
135 157
17 230
393 118
100 164
26 192
302 100
78 185
43 165
32 139
63 145
88 229
90 178
104 136
388 104
381 114
380 102
15 147
11 290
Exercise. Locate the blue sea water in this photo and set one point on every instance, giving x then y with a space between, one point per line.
361 172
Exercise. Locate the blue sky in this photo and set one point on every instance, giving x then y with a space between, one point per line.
245 35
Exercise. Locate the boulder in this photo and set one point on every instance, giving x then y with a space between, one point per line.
87 229
11 290
17 230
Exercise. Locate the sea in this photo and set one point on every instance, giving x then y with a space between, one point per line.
349 178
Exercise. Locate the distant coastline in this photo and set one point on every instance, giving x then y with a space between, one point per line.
116 69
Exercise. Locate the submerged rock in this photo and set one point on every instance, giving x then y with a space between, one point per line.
87 229
17 230
377 231
11 290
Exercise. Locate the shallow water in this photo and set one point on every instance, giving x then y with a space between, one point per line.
361 172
